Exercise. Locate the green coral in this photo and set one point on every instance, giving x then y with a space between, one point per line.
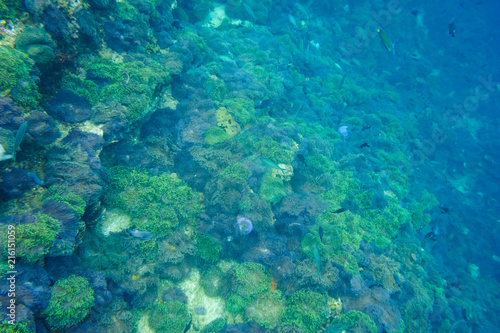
212 281
70 302
235 171
215 326
74 201
227 122
236 304
38 45
136 84
306 309
273 189
275 151
267 309
251 279
215 135
207 248
241 109
33 241
21 327
159 202
169 317
356 322
10 8
15 77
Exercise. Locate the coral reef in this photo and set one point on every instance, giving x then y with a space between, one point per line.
159 202
171 316
70 301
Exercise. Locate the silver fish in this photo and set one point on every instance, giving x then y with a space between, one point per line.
19 138
142 235
318 261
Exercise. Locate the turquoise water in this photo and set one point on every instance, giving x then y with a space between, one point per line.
249 166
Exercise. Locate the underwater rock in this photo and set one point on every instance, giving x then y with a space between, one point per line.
15 182
36 7
122 37
69 107
42 128
101 4
38 45
71 226
11 116
84 182
175 294
88 31
55 22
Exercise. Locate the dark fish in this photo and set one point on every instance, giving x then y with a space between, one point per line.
364 145
19 138
302 158
431 235
188 326
342 80
452 29
340 210
142 235
265 104
396 279
320 230
365 128
445 210
35 179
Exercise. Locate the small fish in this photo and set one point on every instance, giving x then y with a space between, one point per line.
188 326
343 131
4 156
35 178
396 279
389 45
431 235
265 104
19 138
452 30
249 10
320 231
302 158
340 210
142 235
364 145
225 58
302 9
271 164
342 80
318 261
293 21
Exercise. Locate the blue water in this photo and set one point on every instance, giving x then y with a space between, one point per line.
249 166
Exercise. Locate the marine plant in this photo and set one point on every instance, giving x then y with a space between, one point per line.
273 189
70 302
251 279
15 77
266 309
33 240
59 194
215 135
241 109
135 84
215 325
306 309
169 317
213 281
356 321
160 202
274 151
21 327
207 248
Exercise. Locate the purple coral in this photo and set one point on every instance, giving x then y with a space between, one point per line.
245 226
